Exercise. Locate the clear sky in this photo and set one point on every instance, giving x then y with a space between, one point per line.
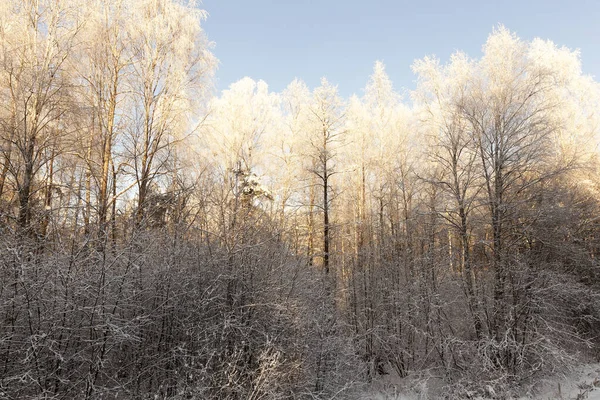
278 40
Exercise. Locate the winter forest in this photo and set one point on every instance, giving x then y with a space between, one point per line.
162 241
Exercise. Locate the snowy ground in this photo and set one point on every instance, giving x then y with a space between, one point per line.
583 383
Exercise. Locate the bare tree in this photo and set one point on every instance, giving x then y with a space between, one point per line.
326 134
35 82
170 68
440 94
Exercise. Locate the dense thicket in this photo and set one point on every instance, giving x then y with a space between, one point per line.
157 243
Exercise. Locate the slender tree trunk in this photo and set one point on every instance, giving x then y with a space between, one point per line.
499 267
325 220
24 218
311 225
467 271
6 164
107 159
113 218
48 195
88 185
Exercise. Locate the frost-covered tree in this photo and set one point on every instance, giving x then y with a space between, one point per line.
438 98
510 107
239 123
102 69
236 136
37 40
498 131
170 70
325 136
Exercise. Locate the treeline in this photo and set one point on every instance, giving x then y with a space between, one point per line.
157 243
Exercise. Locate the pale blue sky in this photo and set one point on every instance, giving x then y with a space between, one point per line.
278 40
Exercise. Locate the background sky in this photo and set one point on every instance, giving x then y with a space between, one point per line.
279 40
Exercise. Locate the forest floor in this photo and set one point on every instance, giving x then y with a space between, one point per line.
581 383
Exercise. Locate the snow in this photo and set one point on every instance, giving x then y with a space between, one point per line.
582 383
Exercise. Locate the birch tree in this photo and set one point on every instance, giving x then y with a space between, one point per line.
171 65
440 93
37 40
325 137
